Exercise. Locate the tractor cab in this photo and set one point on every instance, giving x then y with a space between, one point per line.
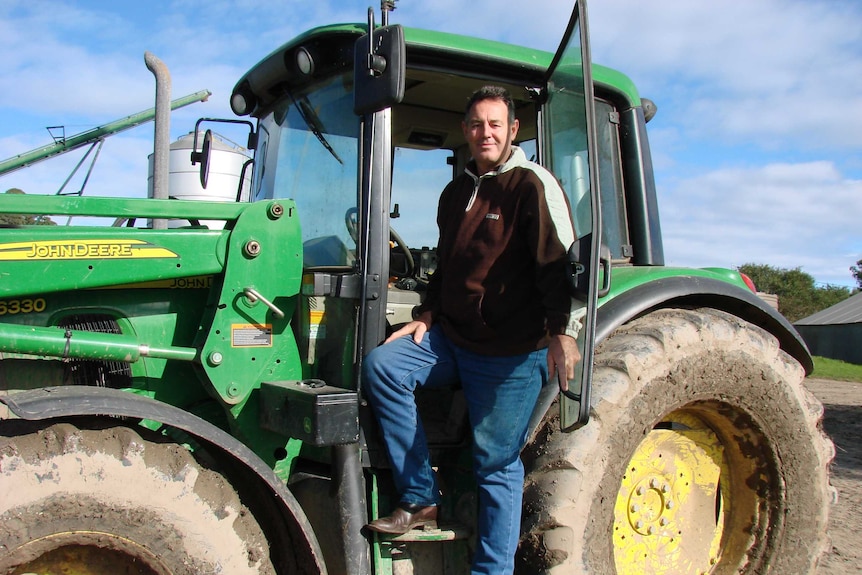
365 140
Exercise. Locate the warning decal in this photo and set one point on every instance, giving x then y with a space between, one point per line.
250 335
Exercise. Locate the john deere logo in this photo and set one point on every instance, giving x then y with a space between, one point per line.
82 250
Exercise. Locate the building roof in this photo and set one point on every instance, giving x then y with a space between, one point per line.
847 311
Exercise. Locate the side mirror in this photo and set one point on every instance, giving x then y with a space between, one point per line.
203 157
379 68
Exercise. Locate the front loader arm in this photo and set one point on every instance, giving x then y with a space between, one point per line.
253 267
47 259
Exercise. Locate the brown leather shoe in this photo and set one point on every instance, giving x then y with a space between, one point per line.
406 516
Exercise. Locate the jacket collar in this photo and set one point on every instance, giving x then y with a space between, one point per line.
516 158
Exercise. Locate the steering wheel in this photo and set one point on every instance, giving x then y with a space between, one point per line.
351 221
402 247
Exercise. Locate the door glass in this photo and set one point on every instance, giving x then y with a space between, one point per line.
568 118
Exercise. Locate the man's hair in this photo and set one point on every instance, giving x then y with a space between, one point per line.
492 93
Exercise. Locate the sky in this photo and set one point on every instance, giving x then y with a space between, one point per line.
757 144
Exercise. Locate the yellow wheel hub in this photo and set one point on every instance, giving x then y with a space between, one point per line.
668 516
86 553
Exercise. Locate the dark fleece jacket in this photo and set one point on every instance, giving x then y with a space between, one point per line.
500 287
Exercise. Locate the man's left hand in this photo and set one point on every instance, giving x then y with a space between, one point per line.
563 356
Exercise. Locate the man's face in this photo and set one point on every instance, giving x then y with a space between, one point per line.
489 134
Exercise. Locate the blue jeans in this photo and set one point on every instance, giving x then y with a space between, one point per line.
500 393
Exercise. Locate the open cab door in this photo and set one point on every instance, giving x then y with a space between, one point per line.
568 117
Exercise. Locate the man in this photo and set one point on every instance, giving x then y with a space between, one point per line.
498 318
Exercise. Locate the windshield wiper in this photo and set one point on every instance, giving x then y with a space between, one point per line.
312 120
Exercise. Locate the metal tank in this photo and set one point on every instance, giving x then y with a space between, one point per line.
225 167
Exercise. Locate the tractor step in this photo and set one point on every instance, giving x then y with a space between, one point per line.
448 531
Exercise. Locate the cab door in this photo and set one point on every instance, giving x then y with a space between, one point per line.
569 151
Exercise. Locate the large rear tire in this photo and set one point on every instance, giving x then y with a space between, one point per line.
704 454
106 501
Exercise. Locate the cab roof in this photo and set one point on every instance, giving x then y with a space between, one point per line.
425 48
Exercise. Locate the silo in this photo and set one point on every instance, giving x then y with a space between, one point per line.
225 167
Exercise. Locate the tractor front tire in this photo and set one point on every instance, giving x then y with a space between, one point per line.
105 501
704 454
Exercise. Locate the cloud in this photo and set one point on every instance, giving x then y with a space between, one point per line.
785 215
755 146
120 171
54 73
764 71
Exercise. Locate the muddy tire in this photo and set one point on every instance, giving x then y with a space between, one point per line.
704 454
107 501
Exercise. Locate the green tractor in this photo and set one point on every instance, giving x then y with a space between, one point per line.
185 399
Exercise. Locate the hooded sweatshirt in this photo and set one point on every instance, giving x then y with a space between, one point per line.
500 287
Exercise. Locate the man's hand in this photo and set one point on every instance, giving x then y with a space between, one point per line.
417 328
563 356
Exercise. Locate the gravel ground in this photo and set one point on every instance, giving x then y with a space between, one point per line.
842 421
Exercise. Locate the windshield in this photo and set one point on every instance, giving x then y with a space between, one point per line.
309 148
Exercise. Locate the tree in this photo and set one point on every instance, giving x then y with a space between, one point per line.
857 273
15 220
798 296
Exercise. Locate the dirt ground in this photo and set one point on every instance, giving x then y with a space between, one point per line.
842 421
